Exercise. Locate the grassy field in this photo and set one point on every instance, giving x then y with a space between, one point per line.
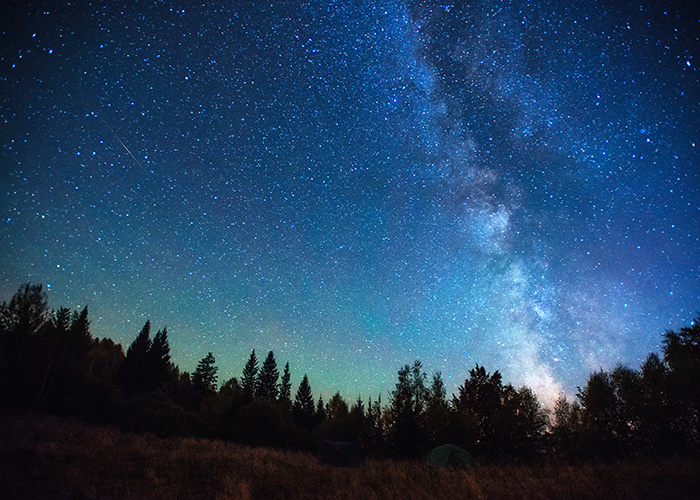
49 457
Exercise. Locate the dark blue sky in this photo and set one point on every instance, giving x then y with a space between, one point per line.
357 185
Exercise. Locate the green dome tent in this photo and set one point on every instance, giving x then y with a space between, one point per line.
449 456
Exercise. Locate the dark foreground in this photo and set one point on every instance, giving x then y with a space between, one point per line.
49 457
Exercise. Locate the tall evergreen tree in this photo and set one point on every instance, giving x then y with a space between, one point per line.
61 320
140 346
357 420
133 373
80 325
374 432
285 396
267 379
80 338
72 348
67 364
335 421
249 380
337 408
55 348
204 378
303 407
437 393
159 362
320 409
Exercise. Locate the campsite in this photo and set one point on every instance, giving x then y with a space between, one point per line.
83 419
52 457
381 249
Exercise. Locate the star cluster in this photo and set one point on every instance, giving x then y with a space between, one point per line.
357 185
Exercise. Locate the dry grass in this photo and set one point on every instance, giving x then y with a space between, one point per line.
47 457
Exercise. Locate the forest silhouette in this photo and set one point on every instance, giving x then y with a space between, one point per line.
51 362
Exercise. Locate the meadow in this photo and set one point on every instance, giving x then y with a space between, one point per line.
51 457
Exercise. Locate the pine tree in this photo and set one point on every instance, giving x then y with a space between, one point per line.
267 379
249 379
357 411
359 406
62 320
437 393
356 417
140 346
133 372
337 408
56 351
375 424
303 407
159 362
320 409
204 378
80 338
81 325
285 396
335 425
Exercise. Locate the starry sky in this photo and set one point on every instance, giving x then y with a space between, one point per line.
356 185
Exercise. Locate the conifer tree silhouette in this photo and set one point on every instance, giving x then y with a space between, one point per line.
267 379
160 366
320 409
133 373
285 395
303 407
249 381
67 344
204 378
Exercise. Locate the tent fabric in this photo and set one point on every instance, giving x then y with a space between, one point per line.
341 453
450 456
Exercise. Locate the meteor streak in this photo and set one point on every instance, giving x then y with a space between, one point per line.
124 146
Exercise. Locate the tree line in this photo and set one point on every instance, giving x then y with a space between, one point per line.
51 362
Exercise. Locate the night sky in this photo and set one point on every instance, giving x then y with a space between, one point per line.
356 185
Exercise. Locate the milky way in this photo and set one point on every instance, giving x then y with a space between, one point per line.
358 185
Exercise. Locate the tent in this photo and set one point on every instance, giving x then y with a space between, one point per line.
449 456
341 453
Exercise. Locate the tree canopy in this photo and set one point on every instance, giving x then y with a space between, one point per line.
50 361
